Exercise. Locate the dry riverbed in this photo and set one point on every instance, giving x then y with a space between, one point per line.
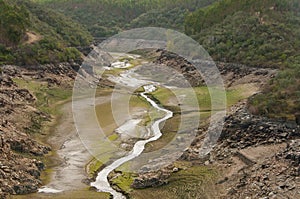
70 165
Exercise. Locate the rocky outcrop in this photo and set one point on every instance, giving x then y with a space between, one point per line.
153 179
181 65
232 74
54 74
242 130
18 174
19 168
235 74
276 177
252 155
292 153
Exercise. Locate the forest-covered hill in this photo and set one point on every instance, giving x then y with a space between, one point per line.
105 18
32 34
256 33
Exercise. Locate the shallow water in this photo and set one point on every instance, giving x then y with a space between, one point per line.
101 182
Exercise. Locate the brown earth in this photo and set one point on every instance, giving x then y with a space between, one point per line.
32 37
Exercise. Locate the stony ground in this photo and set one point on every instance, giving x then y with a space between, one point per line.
20 165
259 157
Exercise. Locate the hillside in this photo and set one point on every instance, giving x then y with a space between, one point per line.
32 34
105 18
260 34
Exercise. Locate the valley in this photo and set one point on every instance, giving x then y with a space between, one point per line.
105 99
75 161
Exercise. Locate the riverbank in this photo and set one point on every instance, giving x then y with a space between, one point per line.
64 166
66 173
30 100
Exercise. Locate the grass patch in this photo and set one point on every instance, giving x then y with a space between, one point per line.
48 101
113 72
124 181
137 101
101 92
47 97
105 115
163 95
171 126
117 71
190 182
93 166
113 137
139 90
123 59
234 95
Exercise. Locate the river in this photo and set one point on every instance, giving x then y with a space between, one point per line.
67 176
101 182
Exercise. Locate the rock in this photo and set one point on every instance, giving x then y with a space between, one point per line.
206 163
40 165
181 65
175 169
259 179
18 173
146 183
25 189
151 179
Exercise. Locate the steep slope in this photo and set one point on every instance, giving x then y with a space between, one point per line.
260 34
32 34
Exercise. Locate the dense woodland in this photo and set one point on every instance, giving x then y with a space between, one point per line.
260 34
254 32
105 18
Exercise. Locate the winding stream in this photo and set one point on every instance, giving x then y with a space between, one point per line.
101 182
